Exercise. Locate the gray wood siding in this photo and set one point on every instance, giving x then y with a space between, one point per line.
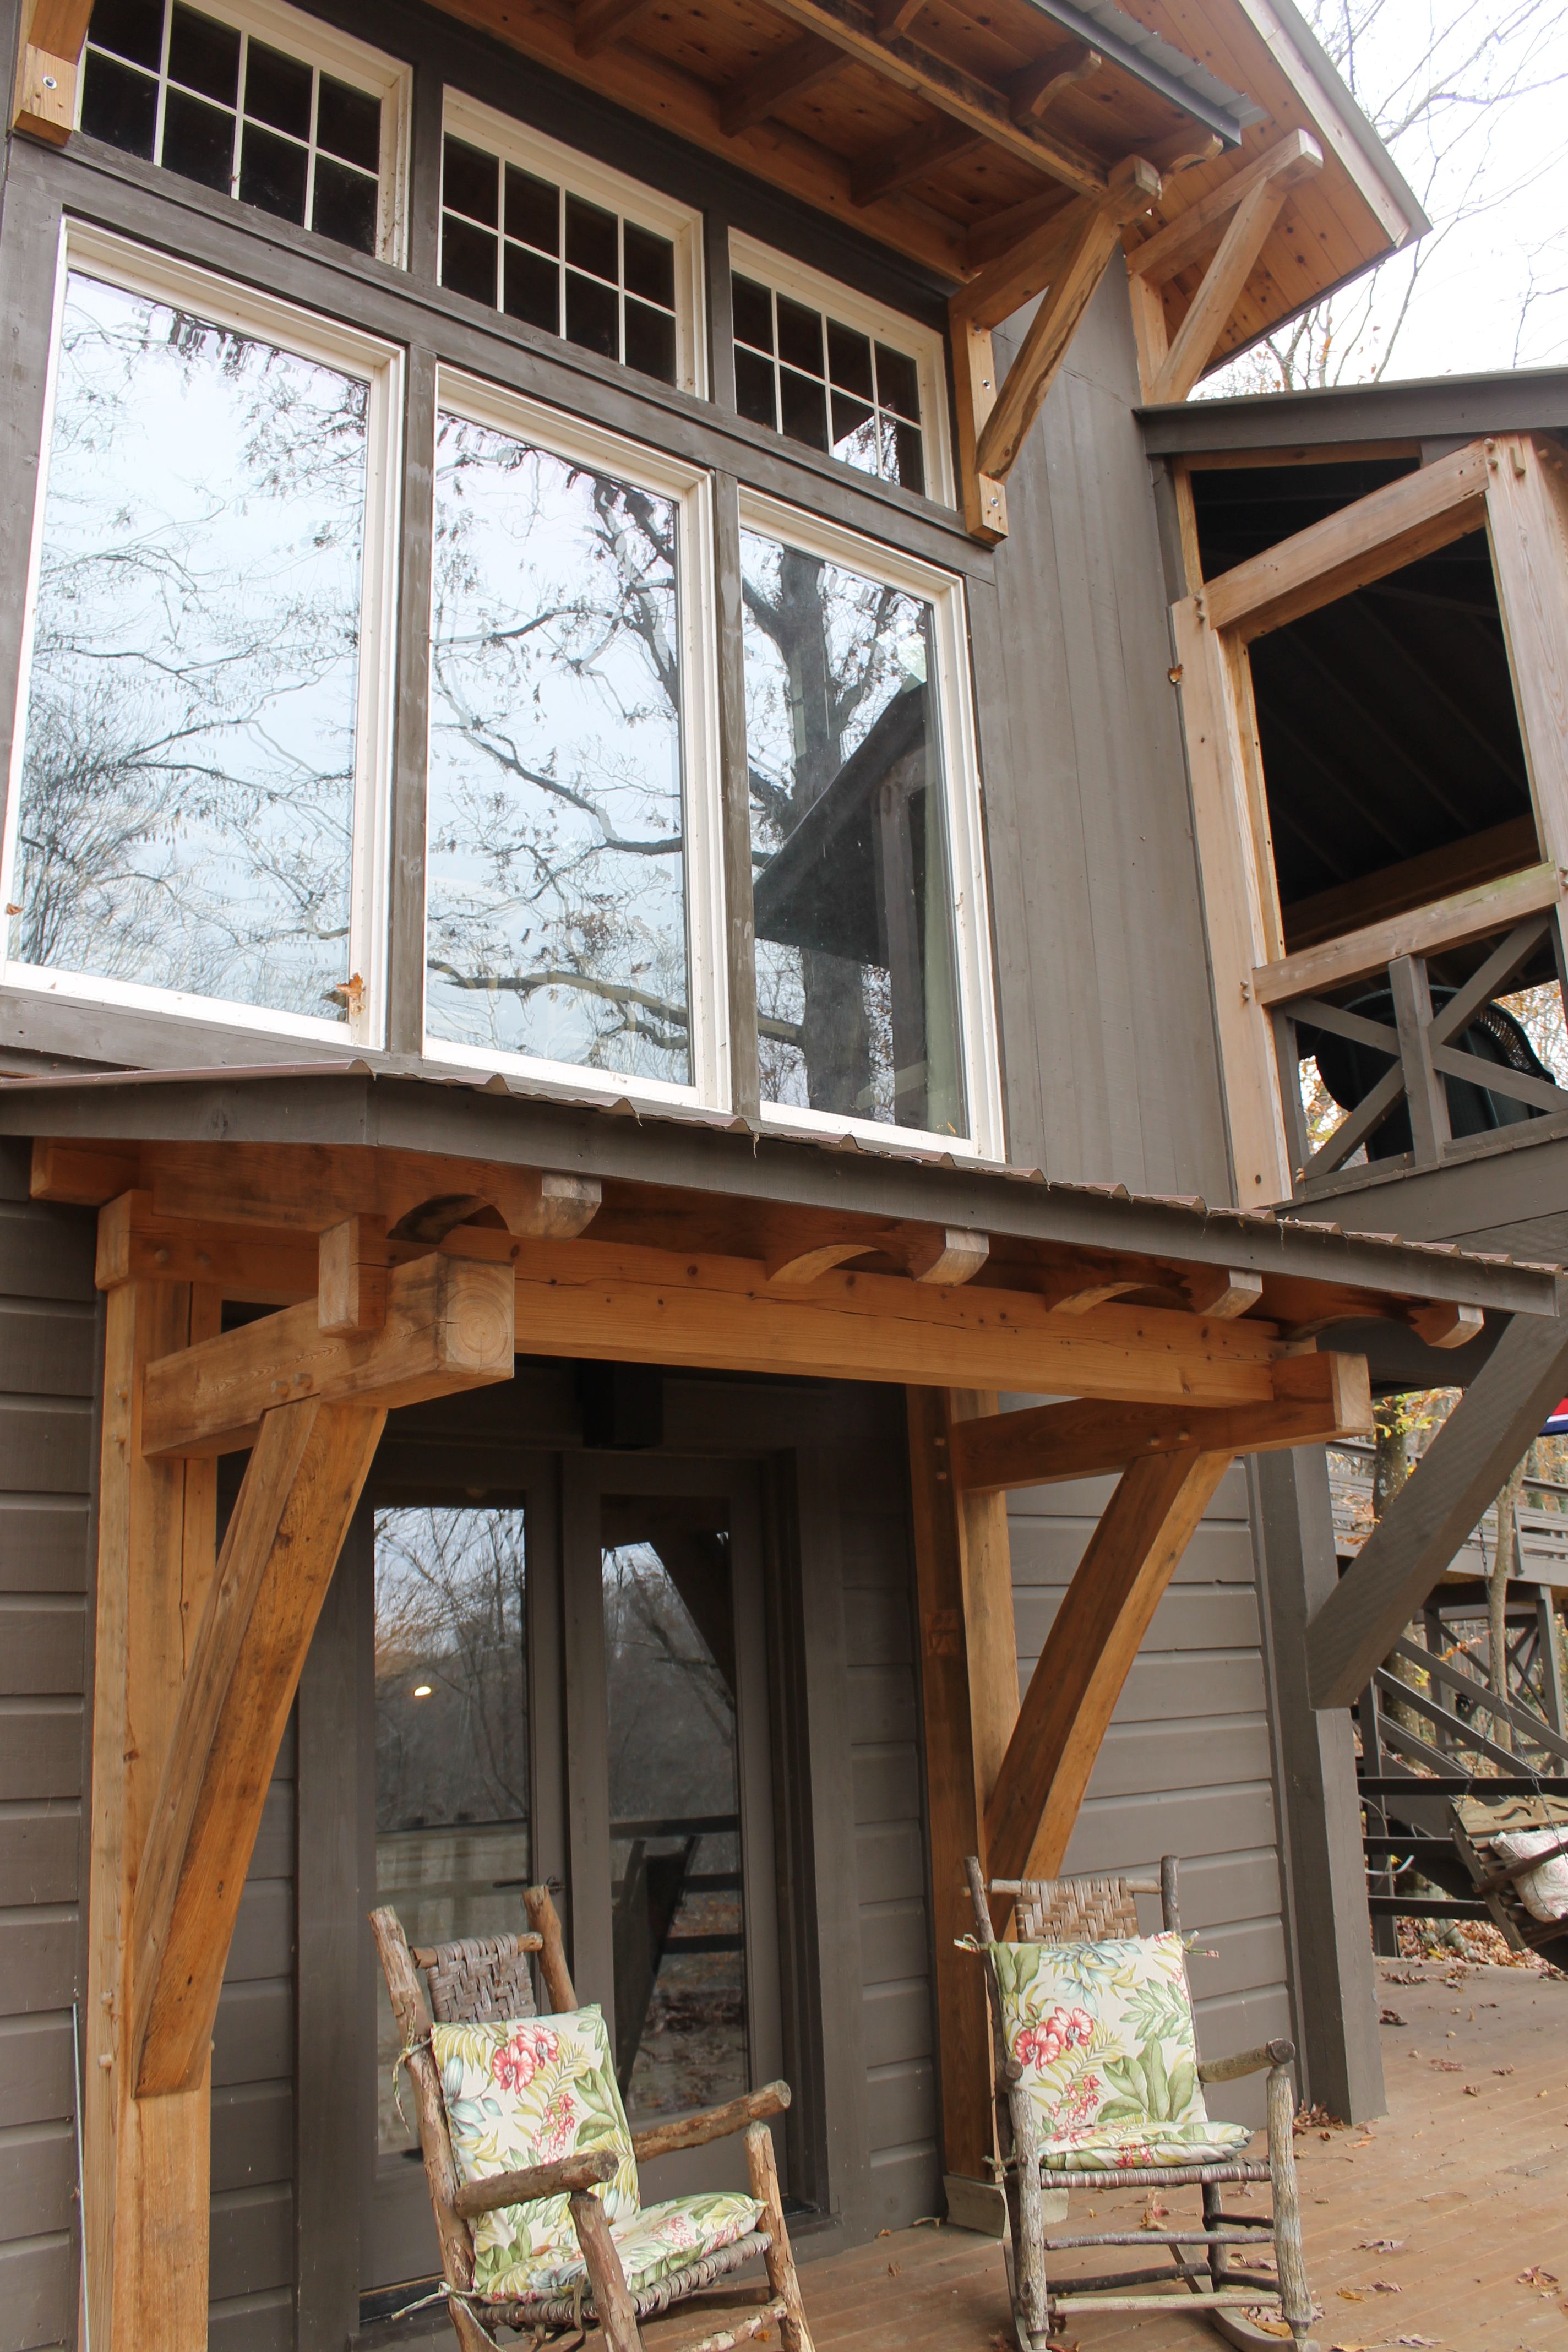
48 1357
1187 1767
1111 1069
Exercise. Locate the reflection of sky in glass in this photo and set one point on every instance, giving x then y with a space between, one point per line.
557 918
187 794
826 654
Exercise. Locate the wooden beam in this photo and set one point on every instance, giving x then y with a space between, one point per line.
949 1253
1034 89
1134 187
597 24
1527 509
1468 916
1380 533
144 2170
949 87
1174 248
352 1287
135 1244
1222 1290
754 97
1445 1326
601 1300
883 171
299 1490
47 64
969 1698
1219 290
1094 1638
448 1326
1431 1518
1318 1398
1490 855
974 390
86 1175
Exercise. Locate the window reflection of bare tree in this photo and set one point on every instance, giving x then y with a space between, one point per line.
449 1622
188 782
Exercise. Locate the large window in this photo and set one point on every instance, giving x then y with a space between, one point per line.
260 102
852 694
569 247
193 808
571 916
828 369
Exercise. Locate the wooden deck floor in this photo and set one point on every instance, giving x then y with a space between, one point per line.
1467 2173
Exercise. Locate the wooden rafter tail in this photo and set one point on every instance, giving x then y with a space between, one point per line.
754 97
597 24
1094 1638
300 1491
1134 187
49 62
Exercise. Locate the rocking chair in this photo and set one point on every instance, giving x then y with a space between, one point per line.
587 2263
1080 2007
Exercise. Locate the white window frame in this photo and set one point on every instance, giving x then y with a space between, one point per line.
516 142
943 591
313 43
748 258
689 490
98 254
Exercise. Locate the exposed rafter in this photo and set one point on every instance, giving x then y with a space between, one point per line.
752 98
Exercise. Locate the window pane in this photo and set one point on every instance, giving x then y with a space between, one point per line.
849 360
803 407
131 28
650 340
592 239
348 124
534 288
593 315
469 182
649 266
278 89
800 335
118 104
187 789
452 1845
272 172
675 1814
469 258
755 389
205 56
857 992
345 204
532 210
557 921
898 382
198 141
754 312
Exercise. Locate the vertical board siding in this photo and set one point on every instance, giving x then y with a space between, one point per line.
889 1844
1187 1765
251 2280
1112 1070
48 1357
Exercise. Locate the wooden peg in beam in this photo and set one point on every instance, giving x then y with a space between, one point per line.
1444 1325
350 1290
948 1255
1222 1290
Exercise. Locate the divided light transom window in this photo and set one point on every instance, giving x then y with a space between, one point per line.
552 239
256 101
836 372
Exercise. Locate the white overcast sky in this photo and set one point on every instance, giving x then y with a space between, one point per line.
1509 150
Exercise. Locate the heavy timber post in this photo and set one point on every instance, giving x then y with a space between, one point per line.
144 2161
969 1681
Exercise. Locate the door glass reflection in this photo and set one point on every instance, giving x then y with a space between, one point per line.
675 1813
452 1846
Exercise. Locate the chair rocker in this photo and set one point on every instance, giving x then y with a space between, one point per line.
1097 2086
563 2246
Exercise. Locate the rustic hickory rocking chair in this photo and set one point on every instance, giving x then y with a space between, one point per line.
1097 2086
532 2246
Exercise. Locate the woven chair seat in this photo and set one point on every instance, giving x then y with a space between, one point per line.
1076 1910
480 1975
563 2310
1156 2175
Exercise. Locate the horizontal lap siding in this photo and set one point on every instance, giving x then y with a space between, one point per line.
1187 1764
895 1935
48 1351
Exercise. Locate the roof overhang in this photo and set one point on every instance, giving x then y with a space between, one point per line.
1426 409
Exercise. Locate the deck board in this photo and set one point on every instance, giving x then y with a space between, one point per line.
1469 2171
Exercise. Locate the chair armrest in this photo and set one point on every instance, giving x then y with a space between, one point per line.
712 2122
536 2180
1247 2062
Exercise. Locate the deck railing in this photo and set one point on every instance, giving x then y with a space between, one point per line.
1424 1053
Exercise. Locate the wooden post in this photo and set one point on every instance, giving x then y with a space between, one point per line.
970 1700
145 2164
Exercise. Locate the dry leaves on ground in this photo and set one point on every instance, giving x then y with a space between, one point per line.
1446 2065
1536 2276
1380 2245
1389 2017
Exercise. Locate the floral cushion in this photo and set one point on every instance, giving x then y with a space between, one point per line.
1543 1891
533 2090
1104 2035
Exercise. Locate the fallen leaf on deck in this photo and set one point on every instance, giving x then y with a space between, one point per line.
1350 2295
1424 2340
1536 2276
1446 2065
1472 2089
892 2269
1367 2142
1382 2286
1380 2245
1389 2017
1502 2070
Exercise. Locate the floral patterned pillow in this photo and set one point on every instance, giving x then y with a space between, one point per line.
1104 2035
1543 1891
525 2091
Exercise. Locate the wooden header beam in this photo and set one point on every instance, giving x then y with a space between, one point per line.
49 62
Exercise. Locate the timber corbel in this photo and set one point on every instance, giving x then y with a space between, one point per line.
1069 257
47 65
1244 209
